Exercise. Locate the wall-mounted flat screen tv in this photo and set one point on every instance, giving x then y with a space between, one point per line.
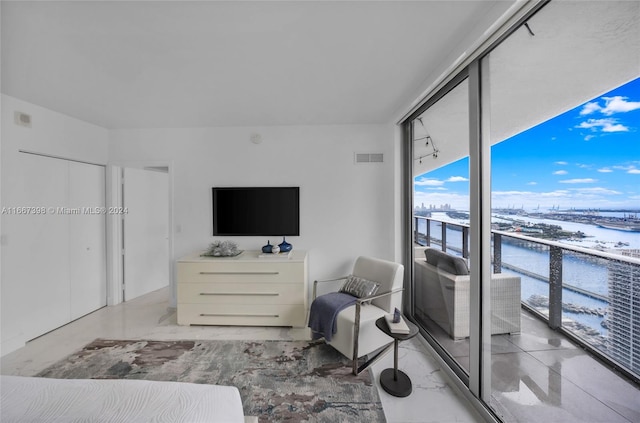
256 211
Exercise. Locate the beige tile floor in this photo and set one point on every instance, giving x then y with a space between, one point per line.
434 398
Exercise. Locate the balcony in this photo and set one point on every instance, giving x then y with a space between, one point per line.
577 356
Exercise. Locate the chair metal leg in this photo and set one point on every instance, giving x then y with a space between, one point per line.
356 334
359 369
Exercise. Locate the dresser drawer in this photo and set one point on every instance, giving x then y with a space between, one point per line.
244 315
246 290
240 293
282 272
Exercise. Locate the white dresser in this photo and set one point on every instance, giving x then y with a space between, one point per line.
244 290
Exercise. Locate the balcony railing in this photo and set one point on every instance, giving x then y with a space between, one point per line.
599 288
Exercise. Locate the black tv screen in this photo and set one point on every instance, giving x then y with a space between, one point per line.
263 211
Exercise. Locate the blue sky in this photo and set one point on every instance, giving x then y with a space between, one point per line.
587 157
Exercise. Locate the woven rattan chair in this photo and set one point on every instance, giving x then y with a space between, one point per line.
443 296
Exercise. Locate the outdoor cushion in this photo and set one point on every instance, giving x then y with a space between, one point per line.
446 262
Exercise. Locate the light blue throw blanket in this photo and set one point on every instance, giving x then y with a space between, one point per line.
324 311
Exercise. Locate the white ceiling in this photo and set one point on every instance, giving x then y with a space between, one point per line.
145 64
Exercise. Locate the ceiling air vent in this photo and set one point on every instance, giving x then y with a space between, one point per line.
22 119
369 157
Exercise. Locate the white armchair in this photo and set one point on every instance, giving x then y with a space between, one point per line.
356 332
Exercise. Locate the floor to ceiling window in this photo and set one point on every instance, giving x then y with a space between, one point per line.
440 135
558 292
562 104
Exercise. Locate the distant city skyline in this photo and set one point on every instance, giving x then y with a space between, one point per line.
585 158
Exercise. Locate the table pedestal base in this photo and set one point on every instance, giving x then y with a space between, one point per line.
398 388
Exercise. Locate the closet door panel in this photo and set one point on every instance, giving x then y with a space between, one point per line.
87 254
41 266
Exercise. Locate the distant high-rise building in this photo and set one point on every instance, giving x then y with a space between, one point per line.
623 316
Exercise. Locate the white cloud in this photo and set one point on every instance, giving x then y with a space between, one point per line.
618 104
597 190
579 181
561 163
457 179
423 182
503 193
590 108
557 193
586 197
613 105
632 170
605 170
589 137
604 125
532 183
560 172
615 128
554 194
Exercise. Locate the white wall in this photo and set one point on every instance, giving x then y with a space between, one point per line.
347 209
54 134
50 133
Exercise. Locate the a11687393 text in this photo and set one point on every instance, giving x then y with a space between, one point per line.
42 210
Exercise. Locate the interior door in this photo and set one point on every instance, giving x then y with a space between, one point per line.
38 259
87 251
146 231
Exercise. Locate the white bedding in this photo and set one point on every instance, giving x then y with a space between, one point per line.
31 399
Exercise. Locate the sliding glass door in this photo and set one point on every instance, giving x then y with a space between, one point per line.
519 167
441 220
562 107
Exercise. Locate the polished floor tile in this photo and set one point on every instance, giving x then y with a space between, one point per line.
582 370
434 399
526 390
539 375
536 336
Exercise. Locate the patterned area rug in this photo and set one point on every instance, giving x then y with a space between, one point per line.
279 381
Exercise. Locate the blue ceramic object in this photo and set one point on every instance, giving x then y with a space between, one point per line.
396 316
285 247
267 248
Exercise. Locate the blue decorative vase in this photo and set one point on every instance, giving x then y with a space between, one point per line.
267 248
285 247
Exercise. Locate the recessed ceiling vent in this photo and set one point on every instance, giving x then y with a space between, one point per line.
369 157
22 119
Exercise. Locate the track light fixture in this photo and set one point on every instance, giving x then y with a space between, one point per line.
428 143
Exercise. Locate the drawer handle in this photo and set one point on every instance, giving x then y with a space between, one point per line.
237 315
247 294
239 273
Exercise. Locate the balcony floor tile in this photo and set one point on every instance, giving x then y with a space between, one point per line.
594 378
526 390
537 336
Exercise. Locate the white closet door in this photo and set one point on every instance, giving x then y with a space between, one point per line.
87 251
146 232
41 246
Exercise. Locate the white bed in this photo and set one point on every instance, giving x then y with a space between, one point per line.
31 399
